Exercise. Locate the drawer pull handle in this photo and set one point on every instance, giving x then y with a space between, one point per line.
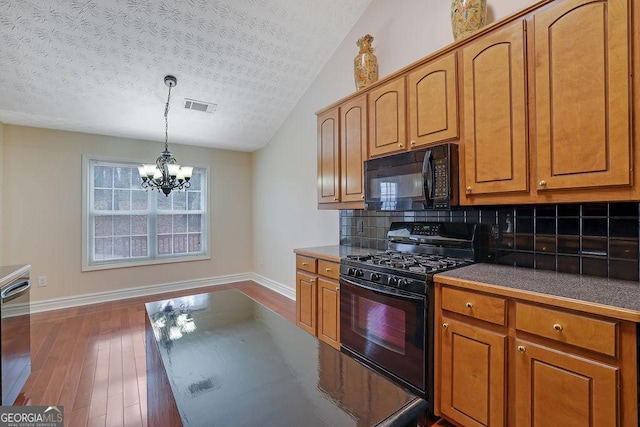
469 305
521 349
557 327
327 269
445 325
304 264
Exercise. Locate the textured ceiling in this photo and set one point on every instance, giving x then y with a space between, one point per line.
97 66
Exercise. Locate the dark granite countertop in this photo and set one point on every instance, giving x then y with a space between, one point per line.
231 361
616 298
334 252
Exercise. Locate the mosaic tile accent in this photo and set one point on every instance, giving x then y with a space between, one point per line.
597 239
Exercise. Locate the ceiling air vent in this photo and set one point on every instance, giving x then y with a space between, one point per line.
205 107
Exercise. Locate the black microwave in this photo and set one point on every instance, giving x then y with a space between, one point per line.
412 181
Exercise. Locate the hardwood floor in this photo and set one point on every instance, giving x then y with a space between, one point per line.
91 359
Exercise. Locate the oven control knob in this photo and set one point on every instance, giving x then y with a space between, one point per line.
351 271
375 277
403 282
392 281
359 273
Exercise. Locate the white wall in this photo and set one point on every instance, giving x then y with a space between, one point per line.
285 177
1 181
43 213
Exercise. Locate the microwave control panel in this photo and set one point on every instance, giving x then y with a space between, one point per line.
441 175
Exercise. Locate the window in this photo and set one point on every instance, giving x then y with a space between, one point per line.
127 225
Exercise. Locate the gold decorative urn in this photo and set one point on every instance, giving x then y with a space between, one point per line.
467 16
365 64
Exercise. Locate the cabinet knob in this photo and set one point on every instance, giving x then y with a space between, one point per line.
557 327
304 264
445 325
335 199
469 189
337 289
400 145
521 349
312 281
468 305
543 183
413 143
327 269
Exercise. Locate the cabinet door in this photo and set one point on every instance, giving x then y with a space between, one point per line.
329 312
433 102
353 149
554 388
306 302
387 121
582 92
472 373
495 112
328 157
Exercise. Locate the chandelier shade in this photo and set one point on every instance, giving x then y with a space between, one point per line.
166 174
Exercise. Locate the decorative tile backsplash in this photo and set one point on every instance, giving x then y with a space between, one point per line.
591 239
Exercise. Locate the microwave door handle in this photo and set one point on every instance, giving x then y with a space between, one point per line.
427 174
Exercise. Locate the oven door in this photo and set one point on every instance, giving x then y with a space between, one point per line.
385 327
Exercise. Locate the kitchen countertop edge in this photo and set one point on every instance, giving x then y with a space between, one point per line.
598 295
9 273
609 297
333 252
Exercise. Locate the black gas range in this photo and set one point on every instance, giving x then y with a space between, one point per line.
386 298
416 251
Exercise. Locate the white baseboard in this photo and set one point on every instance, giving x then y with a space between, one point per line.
274 286
100 297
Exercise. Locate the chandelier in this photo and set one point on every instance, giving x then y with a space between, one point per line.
166 174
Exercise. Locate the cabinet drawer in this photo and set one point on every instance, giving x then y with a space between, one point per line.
306 263
579 330
479 306
329 269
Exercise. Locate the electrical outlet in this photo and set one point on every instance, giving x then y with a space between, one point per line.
42 280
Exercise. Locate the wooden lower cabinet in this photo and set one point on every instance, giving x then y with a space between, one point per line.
536 365
329 311
563 389
472 369
306 305
318 298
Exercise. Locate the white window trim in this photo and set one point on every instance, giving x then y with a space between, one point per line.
107 265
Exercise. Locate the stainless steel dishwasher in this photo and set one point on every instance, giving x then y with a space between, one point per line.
15 331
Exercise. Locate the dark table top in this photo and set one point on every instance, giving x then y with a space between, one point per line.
233 362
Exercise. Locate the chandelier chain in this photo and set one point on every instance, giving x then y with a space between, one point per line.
166 121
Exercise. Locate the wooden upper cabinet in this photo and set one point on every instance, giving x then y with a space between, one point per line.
433 102
328 157
495 112
353 148
582 81
387 118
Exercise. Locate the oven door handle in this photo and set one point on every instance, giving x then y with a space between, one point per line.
20 288
385 290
